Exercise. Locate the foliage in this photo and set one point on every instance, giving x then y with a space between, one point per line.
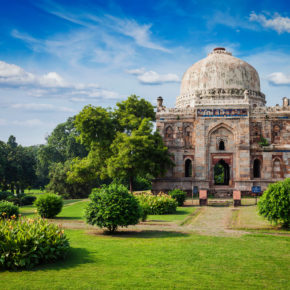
219 174
8 210
275 203
263 142
112 206
178 195
60 184
157 204
19 199
25 243
121 143
5 194
49 205
140 153
62 145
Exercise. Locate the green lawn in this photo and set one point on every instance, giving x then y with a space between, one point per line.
29 210
162 260
181 214
154 258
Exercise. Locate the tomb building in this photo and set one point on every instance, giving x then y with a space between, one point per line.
221 134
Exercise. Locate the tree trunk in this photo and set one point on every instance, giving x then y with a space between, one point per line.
131 184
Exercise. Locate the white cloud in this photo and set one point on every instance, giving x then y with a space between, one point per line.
279 79
140 33
136 72
49 85
277 22
41 107
152 77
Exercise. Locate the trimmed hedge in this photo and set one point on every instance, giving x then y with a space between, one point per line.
25 243
112 206
49 205
157 204
8 210
178 195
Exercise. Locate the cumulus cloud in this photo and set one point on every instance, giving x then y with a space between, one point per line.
277 22
50 84
41 107
279 79
153 78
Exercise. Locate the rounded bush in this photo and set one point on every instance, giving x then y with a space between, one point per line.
275 203
112 206
5 194
27 199
8 210
178 195
157 204
49 205
25 243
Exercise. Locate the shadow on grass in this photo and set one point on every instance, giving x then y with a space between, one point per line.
74 258
145 234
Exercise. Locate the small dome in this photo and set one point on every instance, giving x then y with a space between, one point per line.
219 73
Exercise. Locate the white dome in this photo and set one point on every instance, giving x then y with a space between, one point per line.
220 76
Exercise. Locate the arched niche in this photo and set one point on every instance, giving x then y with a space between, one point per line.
188 168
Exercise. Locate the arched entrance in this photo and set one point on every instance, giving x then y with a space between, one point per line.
221 173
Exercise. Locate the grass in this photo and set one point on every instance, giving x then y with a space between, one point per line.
158 259
181 214
29 210
162 260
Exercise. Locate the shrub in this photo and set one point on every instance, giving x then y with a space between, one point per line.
275 203
25 243
157 204
49 205
27 199
112 206
8 209
178 195
5 194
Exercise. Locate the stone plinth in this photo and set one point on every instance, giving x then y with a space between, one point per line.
237 197
202 197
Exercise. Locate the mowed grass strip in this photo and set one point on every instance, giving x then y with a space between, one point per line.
159 260
29 210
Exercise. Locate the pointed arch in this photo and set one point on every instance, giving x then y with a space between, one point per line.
169 132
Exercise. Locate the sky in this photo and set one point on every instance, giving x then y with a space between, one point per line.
58 56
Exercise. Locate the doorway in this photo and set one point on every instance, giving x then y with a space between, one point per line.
221 173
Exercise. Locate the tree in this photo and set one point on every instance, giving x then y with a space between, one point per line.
121 143
131 112
275 203
60 184
140 153
62 145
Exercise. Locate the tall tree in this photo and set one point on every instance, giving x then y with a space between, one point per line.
121 142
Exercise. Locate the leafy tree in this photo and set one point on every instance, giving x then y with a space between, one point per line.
59 182
112 206
275 203
121 143
132 111
140 153
61 145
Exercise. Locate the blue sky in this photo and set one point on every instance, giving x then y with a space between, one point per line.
58 56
